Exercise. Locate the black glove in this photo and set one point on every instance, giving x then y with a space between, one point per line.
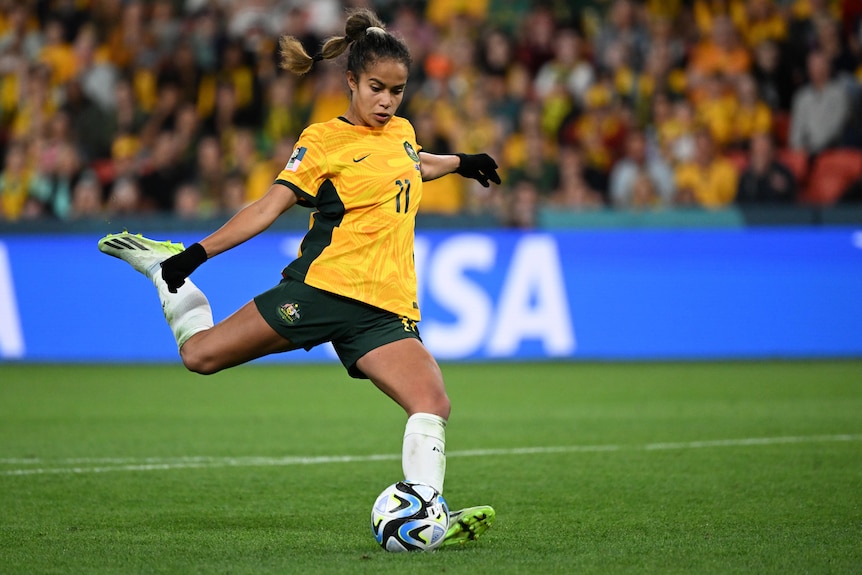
481 167
177 268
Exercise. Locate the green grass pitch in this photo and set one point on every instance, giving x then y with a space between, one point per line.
739 467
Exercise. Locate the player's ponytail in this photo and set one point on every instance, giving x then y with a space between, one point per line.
294 58
364 33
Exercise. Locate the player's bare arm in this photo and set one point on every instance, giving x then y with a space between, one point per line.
480 167
433 166
250 220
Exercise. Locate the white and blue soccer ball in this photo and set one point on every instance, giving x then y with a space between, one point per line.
409 516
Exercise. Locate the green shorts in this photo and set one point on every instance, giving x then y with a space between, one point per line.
309 317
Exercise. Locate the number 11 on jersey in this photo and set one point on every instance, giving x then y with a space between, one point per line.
403 191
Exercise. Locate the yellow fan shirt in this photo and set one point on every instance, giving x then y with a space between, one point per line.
364 185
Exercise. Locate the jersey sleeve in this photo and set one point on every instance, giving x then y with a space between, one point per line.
307 169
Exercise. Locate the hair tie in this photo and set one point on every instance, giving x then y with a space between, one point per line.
318 57
375 29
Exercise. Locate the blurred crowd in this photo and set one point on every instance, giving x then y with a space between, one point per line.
178 106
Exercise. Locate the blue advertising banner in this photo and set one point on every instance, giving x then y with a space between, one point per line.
607 295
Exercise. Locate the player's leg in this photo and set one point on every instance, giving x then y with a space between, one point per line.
405 371
238 339
187 311
408 373
204 348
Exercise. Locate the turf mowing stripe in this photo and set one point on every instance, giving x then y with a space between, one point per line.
107 464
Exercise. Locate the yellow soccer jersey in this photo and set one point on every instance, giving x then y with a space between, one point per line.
365 186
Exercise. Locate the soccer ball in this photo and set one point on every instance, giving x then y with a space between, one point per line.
409 516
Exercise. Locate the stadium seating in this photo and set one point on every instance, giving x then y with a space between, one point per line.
797 162
832 173
739 159
781 128
794 160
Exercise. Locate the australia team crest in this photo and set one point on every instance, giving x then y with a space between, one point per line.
411 152
289 312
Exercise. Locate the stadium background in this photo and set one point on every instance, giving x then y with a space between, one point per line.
166 116
620 463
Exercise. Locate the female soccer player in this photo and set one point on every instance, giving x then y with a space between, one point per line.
353 283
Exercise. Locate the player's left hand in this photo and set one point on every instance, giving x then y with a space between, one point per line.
480 167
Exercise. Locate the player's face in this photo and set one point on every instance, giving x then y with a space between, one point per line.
376 93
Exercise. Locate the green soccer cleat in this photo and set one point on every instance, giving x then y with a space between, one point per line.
468 524
143 254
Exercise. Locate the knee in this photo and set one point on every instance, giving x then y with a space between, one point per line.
435 403
196 360
437 399
445 407
438 405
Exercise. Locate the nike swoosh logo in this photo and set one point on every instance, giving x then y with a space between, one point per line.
359 159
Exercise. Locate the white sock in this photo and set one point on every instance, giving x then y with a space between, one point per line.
423 457
188 311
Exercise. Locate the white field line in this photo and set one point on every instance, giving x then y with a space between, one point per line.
37 466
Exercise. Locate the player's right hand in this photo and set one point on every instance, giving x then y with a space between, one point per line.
177 268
